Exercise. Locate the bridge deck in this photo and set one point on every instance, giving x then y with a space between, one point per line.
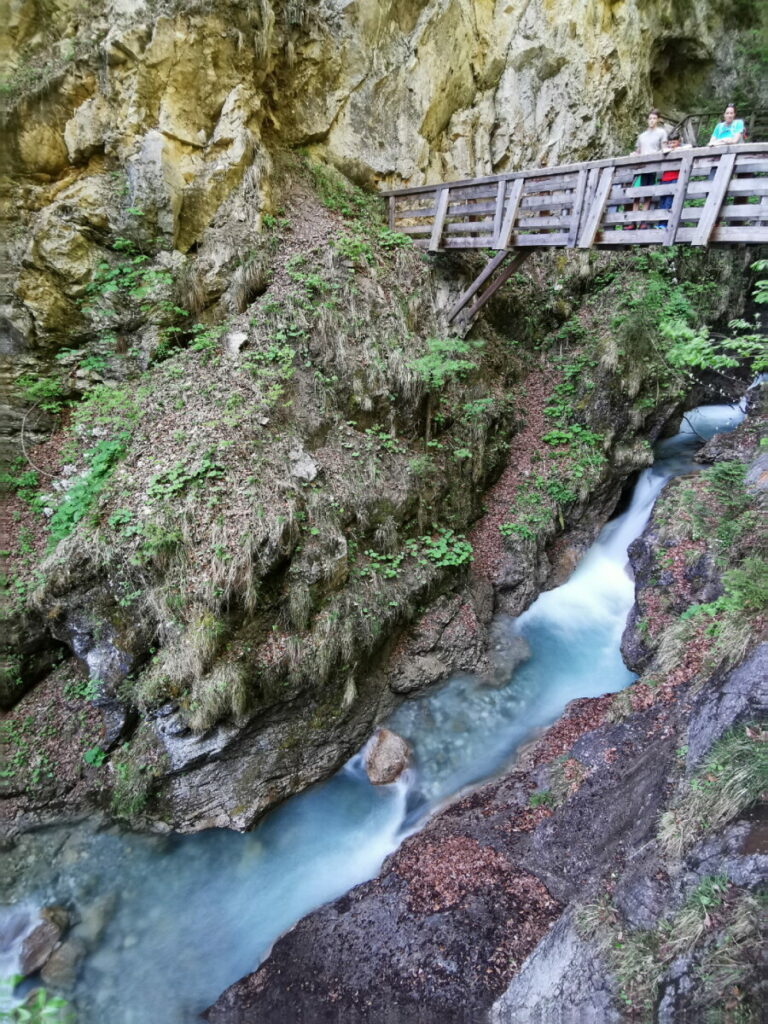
720 197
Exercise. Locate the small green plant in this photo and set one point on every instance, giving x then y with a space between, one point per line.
132 787
384 565
383 440
570 435
543 798
206 339
123 522
129 286
273 367
354 248
392 239
95 757
156 543
476 409
81 689
180 476
24 482
41 1007
717 923
337 193
444 547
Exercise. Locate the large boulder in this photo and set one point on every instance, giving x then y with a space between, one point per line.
386 757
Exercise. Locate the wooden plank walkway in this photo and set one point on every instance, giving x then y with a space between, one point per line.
720 197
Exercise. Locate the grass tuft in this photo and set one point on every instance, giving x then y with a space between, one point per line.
733 777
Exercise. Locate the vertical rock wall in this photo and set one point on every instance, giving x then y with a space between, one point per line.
172 111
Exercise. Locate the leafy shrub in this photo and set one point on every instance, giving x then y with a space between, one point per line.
81 496
95 757
747 585
445 361
354 248
46 392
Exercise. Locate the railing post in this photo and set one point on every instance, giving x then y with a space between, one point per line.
717 191
498 213
595 211
677 203
437 225
576 210
513 202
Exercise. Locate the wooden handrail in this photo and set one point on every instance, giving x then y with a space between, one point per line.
619 161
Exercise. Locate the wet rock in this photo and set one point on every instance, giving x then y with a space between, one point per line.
676 988
737 445
61 970
419 967
16 923
28 652
43 939
100 634
757 477
185 748
386 757
450 637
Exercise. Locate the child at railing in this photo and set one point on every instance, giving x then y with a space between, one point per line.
665 202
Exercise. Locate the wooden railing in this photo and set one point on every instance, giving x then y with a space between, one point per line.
720 197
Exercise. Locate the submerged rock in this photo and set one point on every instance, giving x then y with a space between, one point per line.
386 758
60 971
509 650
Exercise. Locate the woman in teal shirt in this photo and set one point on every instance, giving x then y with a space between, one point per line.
730 130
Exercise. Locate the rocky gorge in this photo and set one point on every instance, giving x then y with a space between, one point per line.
259 495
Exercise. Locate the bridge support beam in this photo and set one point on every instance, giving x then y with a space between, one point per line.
461 313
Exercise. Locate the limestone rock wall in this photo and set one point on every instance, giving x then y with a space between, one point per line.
162 118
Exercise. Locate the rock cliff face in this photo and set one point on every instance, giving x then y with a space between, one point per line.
175 110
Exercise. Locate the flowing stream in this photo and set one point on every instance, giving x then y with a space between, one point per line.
185 917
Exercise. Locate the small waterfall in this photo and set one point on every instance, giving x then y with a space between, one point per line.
193 914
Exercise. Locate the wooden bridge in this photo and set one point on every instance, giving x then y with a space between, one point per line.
720 197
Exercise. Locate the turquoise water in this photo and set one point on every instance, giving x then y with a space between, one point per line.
193 914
